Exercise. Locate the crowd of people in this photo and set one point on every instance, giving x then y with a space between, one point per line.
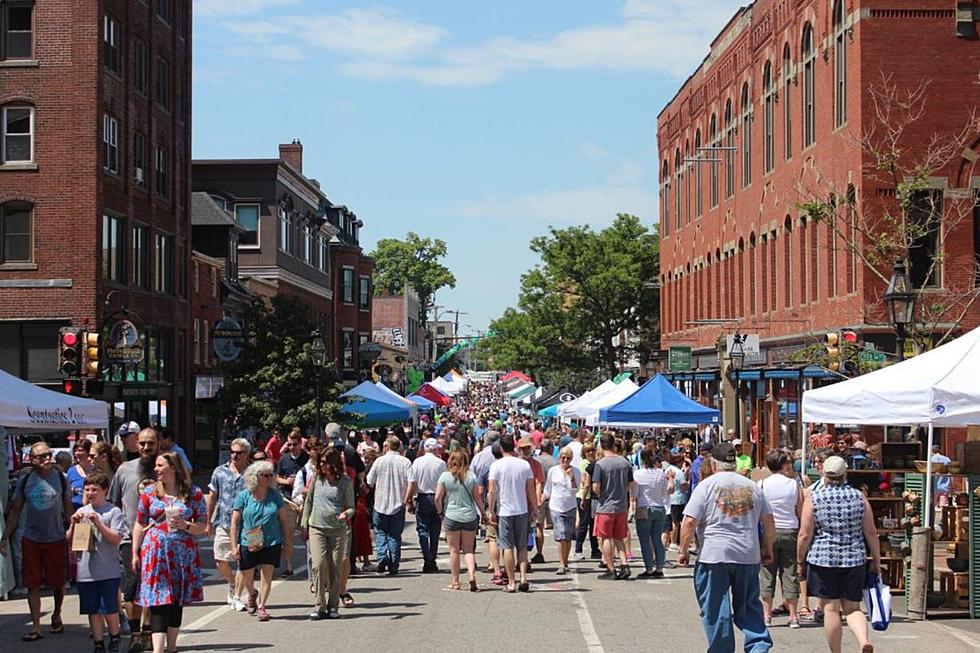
476 472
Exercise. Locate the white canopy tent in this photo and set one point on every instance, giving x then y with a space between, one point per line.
446 387
27 408
937 388
590 411
568 410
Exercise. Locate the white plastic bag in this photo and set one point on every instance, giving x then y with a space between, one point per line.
878 600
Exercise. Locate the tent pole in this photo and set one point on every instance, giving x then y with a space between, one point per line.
927 508
804 436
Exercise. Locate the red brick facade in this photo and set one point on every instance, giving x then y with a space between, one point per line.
74 86
352 309
749 254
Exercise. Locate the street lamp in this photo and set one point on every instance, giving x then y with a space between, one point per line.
900 300
736 359
318 355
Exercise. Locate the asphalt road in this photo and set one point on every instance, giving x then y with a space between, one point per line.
413 612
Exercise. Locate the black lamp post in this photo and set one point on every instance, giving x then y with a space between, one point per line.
318 355
900 300
736 358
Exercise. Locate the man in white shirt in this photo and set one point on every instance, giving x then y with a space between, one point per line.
512 501
421 495
390 476
576 447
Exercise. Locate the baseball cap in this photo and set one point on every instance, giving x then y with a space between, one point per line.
431 444
834 466
723 452
128 427
332 430
736 442
705 447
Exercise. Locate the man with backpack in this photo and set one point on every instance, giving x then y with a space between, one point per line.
45 496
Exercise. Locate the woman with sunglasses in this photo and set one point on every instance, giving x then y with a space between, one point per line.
259 534
560 489
327 510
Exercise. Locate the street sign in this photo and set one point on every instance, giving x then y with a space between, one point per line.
871 357
659 355
679 359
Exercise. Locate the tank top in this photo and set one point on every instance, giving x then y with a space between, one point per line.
838 541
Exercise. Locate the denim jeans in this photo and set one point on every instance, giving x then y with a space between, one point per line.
650 530
728 593
428 525
388 537
585 527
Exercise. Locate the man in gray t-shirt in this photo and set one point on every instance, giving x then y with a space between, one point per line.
612 480
726 510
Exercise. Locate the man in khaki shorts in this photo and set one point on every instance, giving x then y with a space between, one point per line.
226 482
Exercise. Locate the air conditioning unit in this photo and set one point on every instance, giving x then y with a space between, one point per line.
139 175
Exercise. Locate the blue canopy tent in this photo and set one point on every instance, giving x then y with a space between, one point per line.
368 405
423 403
658 403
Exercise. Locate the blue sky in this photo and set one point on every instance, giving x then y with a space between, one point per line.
478 123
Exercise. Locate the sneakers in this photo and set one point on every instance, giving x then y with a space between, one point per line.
578 556
382 566
768 621
124 628
596 555
263 614
230 599
238 605
286 573
674 548
367 566
623 573
657 573
794 623
317 615
252 605
332 613
115 644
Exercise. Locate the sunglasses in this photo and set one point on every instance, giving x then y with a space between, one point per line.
42 456
238 453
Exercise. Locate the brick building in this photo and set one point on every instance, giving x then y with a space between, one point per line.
786 85
94 200
352 273
395 319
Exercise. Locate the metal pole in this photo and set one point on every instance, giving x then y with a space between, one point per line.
738 406
900 342
319 427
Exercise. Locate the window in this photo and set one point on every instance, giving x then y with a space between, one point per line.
110 43
16 232
196 276
110 144
787 104
285 231
697 173
214 282
347 349
679 178
925 224
139 159
206 328
766 245
113 258
163 84
752 269
324 255
803 262
687 180
18 135
729 153
141 66
713 154
197 341
141 256
307 244
746 135
809 86
852 239
163 172
364 293
665 181
840 65
347 285
247 215
164 278
832 247
788 261
165 11
814 282
769 143
17 20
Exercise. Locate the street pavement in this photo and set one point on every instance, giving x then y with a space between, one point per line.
413 612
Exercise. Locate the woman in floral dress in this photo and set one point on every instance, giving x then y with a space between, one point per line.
170 513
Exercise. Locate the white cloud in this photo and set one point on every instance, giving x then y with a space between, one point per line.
668 37
596 206
594 151
237 7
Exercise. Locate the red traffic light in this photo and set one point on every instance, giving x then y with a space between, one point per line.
71 387
69 338
849 336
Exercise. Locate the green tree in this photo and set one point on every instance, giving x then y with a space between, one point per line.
273 383
591 305
415 262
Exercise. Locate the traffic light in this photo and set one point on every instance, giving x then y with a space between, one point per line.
69 351
71 387
849 336
831 343
90 354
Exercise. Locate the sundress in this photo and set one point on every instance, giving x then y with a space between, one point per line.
170 563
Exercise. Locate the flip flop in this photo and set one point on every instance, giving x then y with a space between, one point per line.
57 627
32 636
510 591
347 600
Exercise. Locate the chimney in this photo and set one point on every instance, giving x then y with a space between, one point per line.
292 153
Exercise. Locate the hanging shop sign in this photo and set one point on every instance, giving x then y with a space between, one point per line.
228 339
679 359
124 344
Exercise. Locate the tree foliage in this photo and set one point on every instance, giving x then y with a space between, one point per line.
415 262
590 305
273 383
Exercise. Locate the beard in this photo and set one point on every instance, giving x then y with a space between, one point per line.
147 465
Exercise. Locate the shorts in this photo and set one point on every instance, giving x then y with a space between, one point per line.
677 513
833 583
491 532
44 563
269 555
512 532
98 596
610 526
564 525
451 526
130 581
222 545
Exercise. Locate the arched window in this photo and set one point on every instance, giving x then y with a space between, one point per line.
697 173
678 185
787 103
853 239
687 180
840 65
746 135
765 272
718 284
16 232
665 184
803 262
831 223
713 154
740 307
809 56
752 274
769 142
729 154
788 261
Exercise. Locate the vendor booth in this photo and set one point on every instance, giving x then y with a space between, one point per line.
657 403
936 389
434 395
369 405
27 408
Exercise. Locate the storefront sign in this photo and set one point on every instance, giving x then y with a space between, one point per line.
679 359
125 344
228 338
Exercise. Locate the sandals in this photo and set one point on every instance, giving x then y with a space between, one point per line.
524 587
453 587
32 636
498 579
473 587
347 600
57 626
